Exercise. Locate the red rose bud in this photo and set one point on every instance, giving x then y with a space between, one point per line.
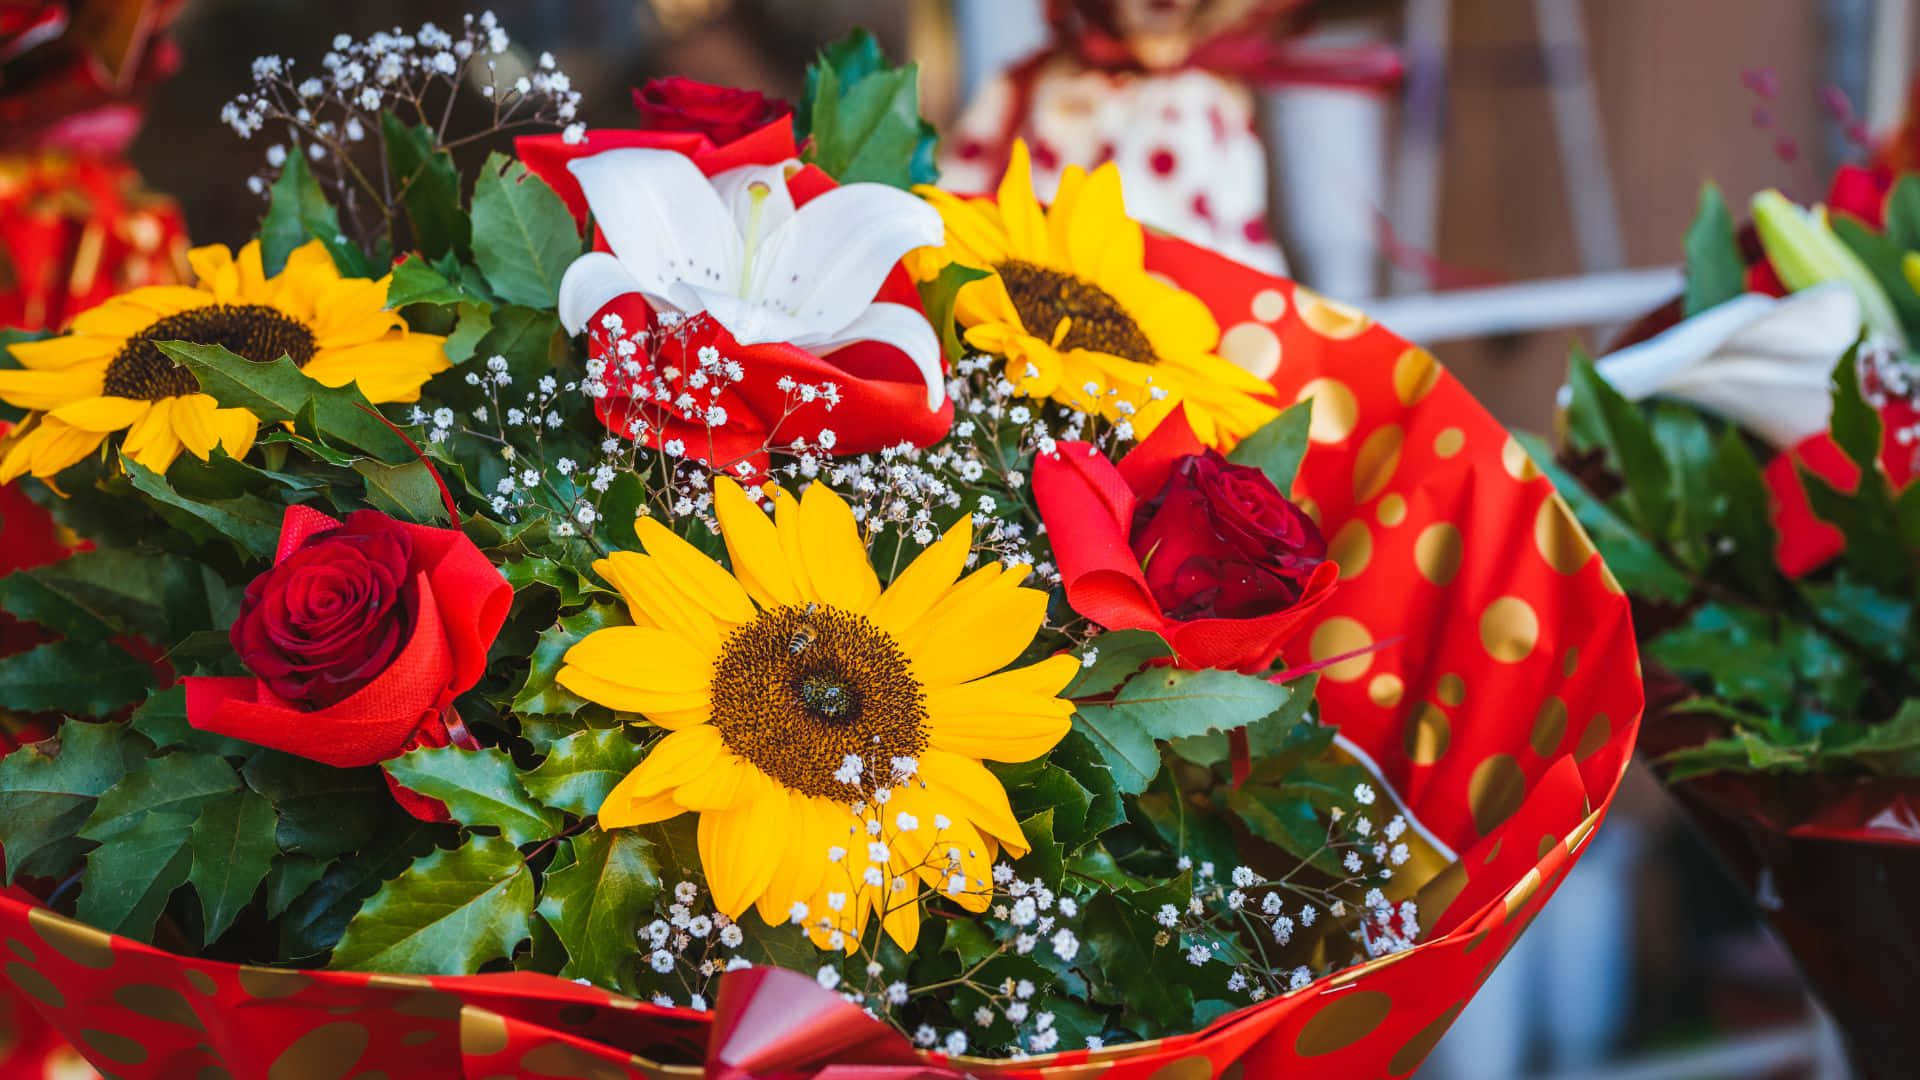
1176 540
721 113
359 638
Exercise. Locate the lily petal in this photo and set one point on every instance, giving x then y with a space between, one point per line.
663 219
824 265
899 326
736 190
589 284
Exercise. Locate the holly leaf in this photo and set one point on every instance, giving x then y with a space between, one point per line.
523 236
408 492
429 187
1278 446
540 695
48 789
861 117
78 678
118 591
1117 655
176 783
582 768
249 522
316 917
289 878
128 877
1601 417
938 296
324 812
1715 271
232 846
1132 972
278 391
447 914
480 788
597 903
418 280
1171 703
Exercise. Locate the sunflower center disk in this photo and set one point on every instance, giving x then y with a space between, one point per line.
258 332
1043 297
796 691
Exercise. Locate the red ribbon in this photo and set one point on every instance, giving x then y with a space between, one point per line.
770 1023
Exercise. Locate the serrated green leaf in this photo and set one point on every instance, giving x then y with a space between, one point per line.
428 187
1118 655
278 391
250 522
1275 743
480 788
1278 446
523 235
1117 934
128 877
1744 513
315 919
447 914
863 117
232 846
178 783
1734 647
1630 554
324 812
582 768
289 878
1715 271
162 718
78 678
1881 258
298 211
1171 703
597 904
418 280
48 789
540 695
1601 418
114 591
407 491
472 325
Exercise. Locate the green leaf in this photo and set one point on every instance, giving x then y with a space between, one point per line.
1171 703
523 235
597 904
232 845
178 783
298 211
1715 271
289 878
315 919
1882 259
250 522
862 117
1903 213
162 718
1600 417
1687 445
129 877
1117 933
1736 648
418 280
1629 553
1275 743
407 492
474 323
939 296
278 391
1119 653
582 768
1044 858
480 788
1745 513
324 812
540 695
48 789
77 678
120 591
447 914
428 186
1278 446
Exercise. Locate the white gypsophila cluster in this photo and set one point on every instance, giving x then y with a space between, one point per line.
1885 378
328 113
1260 929
684 952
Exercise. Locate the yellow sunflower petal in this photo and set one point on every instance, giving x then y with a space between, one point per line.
817 824
786 526
1013 716
47 390
102 414
753 547
975 235
657 665
925 580
837 561
214 267
740 848
387 371
670 711
656 598
46 449
699 577
193 423
352 311
966 784
151 441
120 317
723 786
942 853
62 353
975 631
1020 211
236 430
677 759
1101 239
251 273
622 807
983 304
901 911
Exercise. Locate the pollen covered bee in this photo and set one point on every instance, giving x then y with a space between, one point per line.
803 635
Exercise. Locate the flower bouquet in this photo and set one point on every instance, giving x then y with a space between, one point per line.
702 597
1746 466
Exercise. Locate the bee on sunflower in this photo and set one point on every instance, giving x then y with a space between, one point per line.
108 374
1068 303
828 732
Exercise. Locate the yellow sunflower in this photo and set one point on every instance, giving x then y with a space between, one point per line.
107 375
828 732
1069 304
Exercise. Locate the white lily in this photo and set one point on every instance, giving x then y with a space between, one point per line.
735 247
1760 362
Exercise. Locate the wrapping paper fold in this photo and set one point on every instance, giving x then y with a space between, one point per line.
1503 711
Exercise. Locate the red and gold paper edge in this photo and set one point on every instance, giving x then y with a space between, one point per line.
1505 718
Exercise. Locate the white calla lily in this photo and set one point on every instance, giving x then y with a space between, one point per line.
1760 362
736 247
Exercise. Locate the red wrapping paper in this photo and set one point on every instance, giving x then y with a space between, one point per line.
1504 715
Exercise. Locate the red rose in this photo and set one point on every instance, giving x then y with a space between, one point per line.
721 113
1220 541
1175 540
360 637
1862 192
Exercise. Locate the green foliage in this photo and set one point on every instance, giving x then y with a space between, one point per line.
1601 419
337 417
48 790
597 904
81 678
480 788
298 211
428 187
581 768
1715 271
1278 446
939 297
861 117
523 236
1171 703
447 914
232 846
